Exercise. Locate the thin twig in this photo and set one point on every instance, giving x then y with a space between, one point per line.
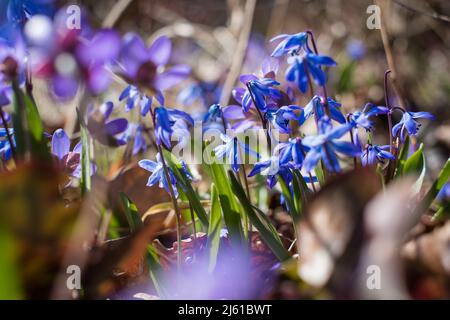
241 47
115 13
433 15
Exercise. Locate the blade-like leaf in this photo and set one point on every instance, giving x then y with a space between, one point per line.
156 271
131 213
438 184
267 231
416 165
10 286
185 185
231 210
292 209
214 229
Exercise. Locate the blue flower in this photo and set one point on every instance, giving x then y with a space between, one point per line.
207 92
135 135
361 119
291 151
232 149
158 175
165 120
409 124
273 169
289 43
355 49
135 97
263 92
317 107
214 113
374 153
280 117
5 147
444 194
301 65
324 146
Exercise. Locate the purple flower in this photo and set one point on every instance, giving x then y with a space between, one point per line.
444 194
409 124
301 65
67 160
324 146
361 119
233 149
273 169
72 61
141 66
317 107
135 135
158 174
373 154
263 92
165 121
291 151
356 49
104 130
135 97
207 92
280 117
289 43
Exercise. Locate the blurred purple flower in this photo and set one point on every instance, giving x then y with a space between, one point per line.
67 160
141 65
356 49
105 131
72 61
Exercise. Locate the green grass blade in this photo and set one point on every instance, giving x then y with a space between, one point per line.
231 210
416 165
185 184
267 231
131 213
441 180
215 219
10 284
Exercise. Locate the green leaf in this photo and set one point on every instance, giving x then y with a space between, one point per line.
301 191
403 156
214 228
156 270
185 185
318 170
231 210
267 231
441 180
289 200
131 213
10 284
85 156
416 165
345 82
28 127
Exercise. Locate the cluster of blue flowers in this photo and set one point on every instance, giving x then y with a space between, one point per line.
71 58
